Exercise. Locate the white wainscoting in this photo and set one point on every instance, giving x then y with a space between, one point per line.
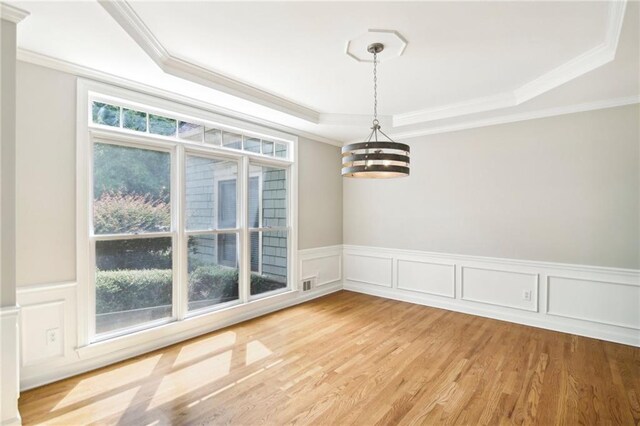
597 302
369 268
322 265
591 301
499 287
9 365
427 277
53 307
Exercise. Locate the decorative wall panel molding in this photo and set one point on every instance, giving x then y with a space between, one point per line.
44 323
590 301
427 277
604 302
324 265
499 287
369 269
9 365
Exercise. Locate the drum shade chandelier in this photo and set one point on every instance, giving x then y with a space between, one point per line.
373 158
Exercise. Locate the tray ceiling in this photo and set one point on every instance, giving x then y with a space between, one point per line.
286 61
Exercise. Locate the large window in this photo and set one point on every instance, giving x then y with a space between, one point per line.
185 217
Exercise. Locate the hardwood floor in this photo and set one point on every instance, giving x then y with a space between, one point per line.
350 358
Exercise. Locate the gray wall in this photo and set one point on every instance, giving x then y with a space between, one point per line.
560 189
7 165
319 195
46 179
46 175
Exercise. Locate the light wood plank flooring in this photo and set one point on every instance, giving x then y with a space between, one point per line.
350 358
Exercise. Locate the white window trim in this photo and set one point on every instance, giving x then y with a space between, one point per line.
87 90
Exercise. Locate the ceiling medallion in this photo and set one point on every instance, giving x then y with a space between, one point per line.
373 158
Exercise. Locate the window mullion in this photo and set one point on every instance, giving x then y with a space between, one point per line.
181 276
243 213
212 231
143 235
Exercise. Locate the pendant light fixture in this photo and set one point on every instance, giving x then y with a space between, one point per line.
373 158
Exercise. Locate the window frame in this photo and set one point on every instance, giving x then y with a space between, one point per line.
89 133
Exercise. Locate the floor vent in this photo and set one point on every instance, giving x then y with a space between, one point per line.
307 284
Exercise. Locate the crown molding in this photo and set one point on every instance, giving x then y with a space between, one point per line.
471 106
511 118
96 75
81 71
12 13
580 65
129 20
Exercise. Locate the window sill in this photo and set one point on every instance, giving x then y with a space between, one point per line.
175 331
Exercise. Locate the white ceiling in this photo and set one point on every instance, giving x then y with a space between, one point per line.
466 63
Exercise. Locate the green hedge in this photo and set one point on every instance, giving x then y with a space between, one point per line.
124 290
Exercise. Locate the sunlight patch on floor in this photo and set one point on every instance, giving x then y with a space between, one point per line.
231 385
181 382
100 407
256 351
202 347
122 375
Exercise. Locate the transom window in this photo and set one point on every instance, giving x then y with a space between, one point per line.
129 119
185 217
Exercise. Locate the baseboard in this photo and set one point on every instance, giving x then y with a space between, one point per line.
15 421
488 313
590 301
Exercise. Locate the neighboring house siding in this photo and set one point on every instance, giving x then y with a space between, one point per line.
200 197
274 211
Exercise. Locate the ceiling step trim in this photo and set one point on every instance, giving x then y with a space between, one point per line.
576 67
511 118
12 13
126 17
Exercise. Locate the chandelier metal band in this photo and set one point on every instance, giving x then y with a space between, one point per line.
373 158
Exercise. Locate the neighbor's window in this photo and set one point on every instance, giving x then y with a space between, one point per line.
160 255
